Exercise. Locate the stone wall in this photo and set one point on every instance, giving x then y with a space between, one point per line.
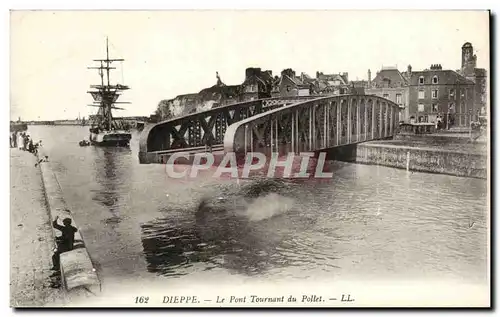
78 274
431 160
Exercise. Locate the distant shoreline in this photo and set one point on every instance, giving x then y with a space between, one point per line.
56 123
77 122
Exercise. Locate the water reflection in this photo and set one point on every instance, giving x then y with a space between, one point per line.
112 174
171 247
238 238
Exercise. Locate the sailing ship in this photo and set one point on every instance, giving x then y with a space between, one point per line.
104 129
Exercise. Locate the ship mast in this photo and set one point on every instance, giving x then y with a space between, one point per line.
106 95
107 70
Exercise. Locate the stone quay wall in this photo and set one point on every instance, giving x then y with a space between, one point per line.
78 275
424 159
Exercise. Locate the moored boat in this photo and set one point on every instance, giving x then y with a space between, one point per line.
105 130
110 138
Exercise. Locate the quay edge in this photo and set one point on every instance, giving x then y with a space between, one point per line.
417 159
78 274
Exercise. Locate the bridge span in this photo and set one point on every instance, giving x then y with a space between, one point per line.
291 124
189 133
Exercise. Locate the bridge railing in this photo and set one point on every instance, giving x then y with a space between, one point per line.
315 125
193 130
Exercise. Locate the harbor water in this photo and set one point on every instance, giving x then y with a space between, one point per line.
367 222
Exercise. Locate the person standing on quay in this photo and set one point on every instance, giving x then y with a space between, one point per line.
14 139
25 142
20 140
65 242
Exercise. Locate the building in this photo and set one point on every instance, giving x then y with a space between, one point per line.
332 84
424 95
435 91
291 85
258 84
390 84
358 87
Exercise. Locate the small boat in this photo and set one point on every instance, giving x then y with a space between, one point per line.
105 130
84 143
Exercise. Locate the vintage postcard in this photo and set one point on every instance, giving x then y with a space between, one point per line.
250 159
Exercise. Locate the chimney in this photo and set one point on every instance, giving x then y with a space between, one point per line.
288 72
346 77
369 78
252 71
248 73
409 71
317 74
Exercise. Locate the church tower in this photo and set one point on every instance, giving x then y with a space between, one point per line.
468 60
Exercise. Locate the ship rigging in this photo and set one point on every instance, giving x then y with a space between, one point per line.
104 129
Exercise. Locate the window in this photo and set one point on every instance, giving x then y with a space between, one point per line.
452 93
434 107
421 94
398 99
421 80
288 88
451 108
421 108
386 96
435 80
434 93
462 93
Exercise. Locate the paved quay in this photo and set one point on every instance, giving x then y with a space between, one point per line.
31 238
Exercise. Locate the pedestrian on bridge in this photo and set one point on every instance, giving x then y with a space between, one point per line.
209 143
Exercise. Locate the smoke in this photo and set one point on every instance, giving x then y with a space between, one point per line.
268 206
259 200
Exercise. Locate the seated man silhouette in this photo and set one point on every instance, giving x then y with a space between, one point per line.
65 242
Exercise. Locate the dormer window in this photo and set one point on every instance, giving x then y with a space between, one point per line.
435 80
421 80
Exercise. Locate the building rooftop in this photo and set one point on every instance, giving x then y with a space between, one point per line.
445 77
389 77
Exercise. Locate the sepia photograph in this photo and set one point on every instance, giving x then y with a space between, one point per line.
250 158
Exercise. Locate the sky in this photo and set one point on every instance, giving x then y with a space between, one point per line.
168 53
